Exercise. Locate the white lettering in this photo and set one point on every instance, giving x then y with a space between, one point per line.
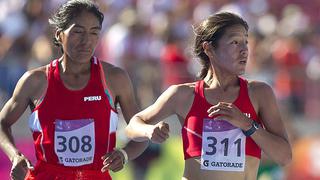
92 98
247 114
77 160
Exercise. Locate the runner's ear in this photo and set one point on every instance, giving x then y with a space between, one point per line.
57 36
208 49
205 46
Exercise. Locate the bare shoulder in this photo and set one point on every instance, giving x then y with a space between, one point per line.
182 91
38 75
112 71
116 77
261 93
180 97
117 80
259 87
33 82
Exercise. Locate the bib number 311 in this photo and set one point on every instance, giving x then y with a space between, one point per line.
223 146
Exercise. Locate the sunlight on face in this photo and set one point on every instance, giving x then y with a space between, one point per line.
80 39
232 50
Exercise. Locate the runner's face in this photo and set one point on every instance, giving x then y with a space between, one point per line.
232 50
80 39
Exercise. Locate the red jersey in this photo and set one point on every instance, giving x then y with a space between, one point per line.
193 124
73 129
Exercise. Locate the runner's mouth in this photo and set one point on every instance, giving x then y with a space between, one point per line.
243 62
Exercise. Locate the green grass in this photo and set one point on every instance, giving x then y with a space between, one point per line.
124 174
168 167
170 164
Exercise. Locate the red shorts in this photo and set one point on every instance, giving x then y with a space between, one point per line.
51 172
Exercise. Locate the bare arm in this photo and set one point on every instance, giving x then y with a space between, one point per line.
147 124
122 89
274 134
12 110
26 89
129 107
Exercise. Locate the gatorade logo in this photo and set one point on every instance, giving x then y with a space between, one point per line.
92 98
206 163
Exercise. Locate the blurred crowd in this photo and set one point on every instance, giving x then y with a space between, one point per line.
152 40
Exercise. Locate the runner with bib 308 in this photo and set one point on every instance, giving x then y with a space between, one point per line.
73 102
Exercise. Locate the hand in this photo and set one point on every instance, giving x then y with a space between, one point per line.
230 113
159 133
113 161
20 167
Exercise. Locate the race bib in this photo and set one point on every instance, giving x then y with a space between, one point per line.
74 141
223 146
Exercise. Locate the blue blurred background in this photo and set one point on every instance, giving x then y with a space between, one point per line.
152 40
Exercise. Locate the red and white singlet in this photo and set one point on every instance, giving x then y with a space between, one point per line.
73 129
220 145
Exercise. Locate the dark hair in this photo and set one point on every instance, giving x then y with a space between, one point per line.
212 29
62 17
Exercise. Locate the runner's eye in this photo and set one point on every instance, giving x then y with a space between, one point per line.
235 42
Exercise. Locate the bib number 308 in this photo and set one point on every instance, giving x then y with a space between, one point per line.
74 144
74 141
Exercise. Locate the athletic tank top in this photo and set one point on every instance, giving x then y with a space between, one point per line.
74 128
193 124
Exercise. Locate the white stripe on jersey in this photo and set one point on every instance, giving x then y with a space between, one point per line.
34 122
192 132
113 121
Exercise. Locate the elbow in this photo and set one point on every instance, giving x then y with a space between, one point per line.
128 132
4 125
131 134
285 159
134 131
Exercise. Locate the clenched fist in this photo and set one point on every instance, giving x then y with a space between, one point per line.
20 167
113 161
159 133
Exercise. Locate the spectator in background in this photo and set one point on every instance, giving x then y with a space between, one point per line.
290 75
175 67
